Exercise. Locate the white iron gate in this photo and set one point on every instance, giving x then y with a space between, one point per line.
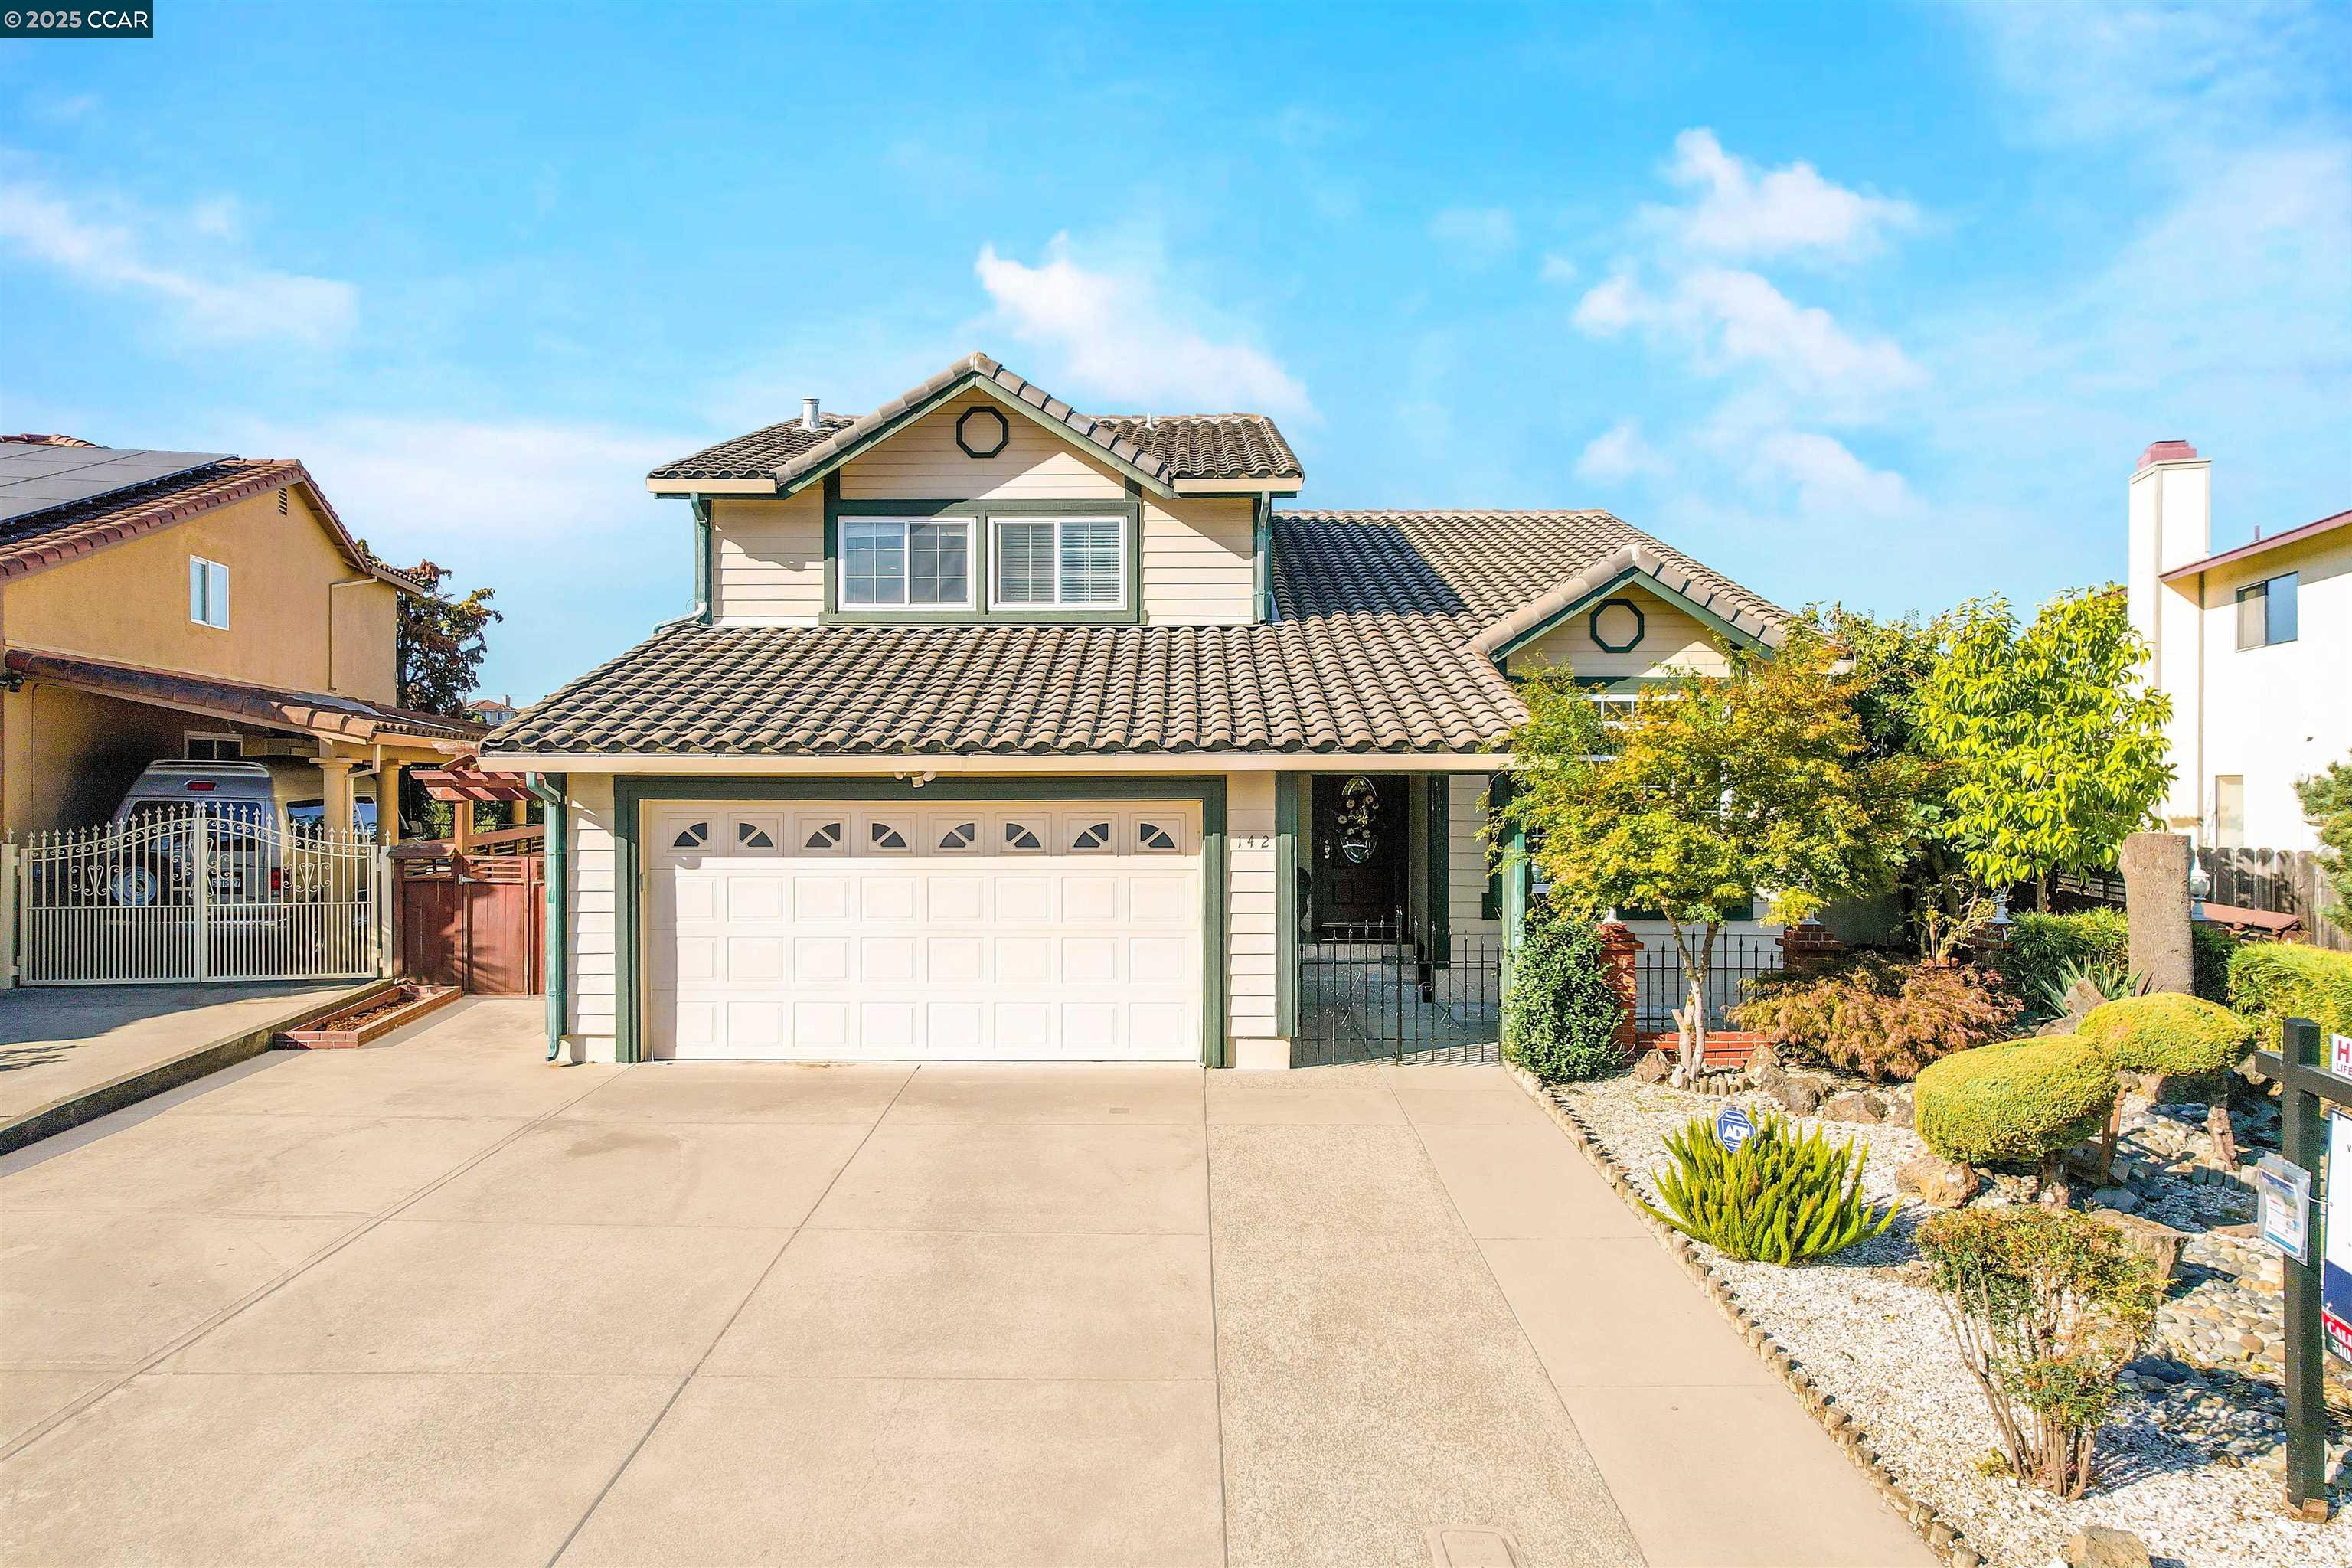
199 892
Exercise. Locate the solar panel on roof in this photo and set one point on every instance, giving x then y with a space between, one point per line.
36 479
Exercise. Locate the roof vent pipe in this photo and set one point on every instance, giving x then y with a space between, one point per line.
808 414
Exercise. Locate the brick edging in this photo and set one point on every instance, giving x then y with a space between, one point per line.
1942 1538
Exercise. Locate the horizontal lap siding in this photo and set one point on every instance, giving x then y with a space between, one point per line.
1251 945
922 462
1671 638
594 949
768 560
1200 560
1465 859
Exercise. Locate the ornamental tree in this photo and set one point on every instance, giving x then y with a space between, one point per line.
2327 806
2052 746
1711 790
440 642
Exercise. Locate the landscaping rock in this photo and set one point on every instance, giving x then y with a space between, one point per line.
2159 1243
1655 1068
1798 1096
1853 1106
2123 1200
1763 1065
1938 1183
2100 1546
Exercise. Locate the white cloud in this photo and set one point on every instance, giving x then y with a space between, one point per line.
1618 454
419 485
63 108
1557 270
1115 333
1475 237
108 247
1728 319
1832 484
1790 211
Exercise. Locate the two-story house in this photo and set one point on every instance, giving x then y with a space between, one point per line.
1003 731
2253 645
191 605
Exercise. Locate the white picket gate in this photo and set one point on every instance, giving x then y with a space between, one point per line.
199 891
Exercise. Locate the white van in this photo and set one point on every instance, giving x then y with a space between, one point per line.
248 865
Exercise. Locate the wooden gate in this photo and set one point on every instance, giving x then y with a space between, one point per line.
475 921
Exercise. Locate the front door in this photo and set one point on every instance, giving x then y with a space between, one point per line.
1359 828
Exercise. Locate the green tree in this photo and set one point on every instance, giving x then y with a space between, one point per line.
1713 789
2327 806
2054 745
441 642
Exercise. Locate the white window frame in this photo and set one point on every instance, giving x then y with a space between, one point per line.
906 603
996 599
202 574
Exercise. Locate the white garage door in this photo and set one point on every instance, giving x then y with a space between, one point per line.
983 932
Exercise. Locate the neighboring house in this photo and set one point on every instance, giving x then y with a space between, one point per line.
491 711
1003 730
189 604
2253 645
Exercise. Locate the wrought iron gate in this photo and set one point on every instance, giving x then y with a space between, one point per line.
1372 994
198 892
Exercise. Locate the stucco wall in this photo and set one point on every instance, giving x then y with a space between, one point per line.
70 754
129 602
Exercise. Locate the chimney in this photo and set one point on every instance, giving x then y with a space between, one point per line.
2170 512
808 414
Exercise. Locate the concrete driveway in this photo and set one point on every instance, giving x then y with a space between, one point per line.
436 1303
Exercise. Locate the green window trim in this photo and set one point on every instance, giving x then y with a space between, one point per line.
632 792
1439 818
985 515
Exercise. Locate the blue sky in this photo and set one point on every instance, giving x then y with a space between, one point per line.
1875 303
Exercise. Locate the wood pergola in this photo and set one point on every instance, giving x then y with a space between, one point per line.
465 786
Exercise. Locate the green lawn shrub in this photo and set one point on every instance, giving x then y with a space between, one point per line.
2271 981
2039 945
2167 1033
2047 1305
2210 948
1561 1014
1778 1199
1881 1017
2019 1102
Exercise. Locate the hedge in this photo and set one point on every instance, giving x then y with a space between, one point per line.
1562 1013
2271 981
2016 1102
2041 945
2168 1033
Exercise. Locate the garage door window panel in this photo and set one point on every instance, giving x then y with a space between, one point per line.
953 835
1022 838
820 835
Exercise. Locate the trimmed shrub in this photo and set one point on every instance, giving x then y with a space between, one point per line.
2041 945
2019 1102
1560 1014
2209 950
2047 1307
1778 1199
1879 1016
2271 981
2167 1033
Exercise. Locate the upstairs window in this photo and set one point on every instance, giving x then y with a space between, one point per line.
2266 612
208 592
1071 563
905 564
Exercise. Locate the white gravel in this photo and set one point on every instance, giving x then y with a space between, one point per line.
1874 1335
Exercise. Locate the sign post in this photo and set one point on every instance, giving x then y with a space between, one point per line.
2295 1064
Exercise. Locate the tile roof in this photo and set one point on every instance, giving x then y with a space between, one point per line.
317 713
39 540
1481 566
1362 683
1161 449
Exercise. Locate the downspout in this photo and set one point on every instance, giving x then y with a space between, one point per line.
700 506
548 790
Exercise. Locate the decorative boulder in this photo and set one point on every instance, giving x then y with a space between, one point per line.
1656 1067
2160 1244
1798 1096
2102 1546
1853 1106
2018 1102
1938 1183
1763 1064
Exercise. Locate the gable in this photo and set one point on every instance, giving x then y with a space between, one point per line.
1626 632
924 460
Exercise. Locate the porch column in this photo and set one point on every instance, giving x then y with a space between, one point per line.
387 801
335 789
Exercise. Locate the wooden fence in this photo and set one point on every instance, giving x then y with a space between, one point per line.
2286 882
469 920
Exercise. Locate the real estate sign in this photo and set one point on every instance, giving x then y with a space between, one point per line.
2336 1230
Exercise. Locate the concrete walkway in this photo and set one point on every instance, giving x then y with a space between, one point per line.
69 1052
438 1302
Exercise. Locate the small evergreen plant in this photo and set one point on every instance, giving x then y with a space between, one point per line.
1779 1198
1563 1011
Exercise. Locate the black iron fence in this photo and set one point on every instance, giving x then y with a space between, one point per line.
1660 983
1373 994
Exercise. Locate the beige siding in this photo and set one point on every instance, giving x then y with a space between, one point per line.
1465 860
1671 639
768 559
1249 890
591 1030
1200 560
923 462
